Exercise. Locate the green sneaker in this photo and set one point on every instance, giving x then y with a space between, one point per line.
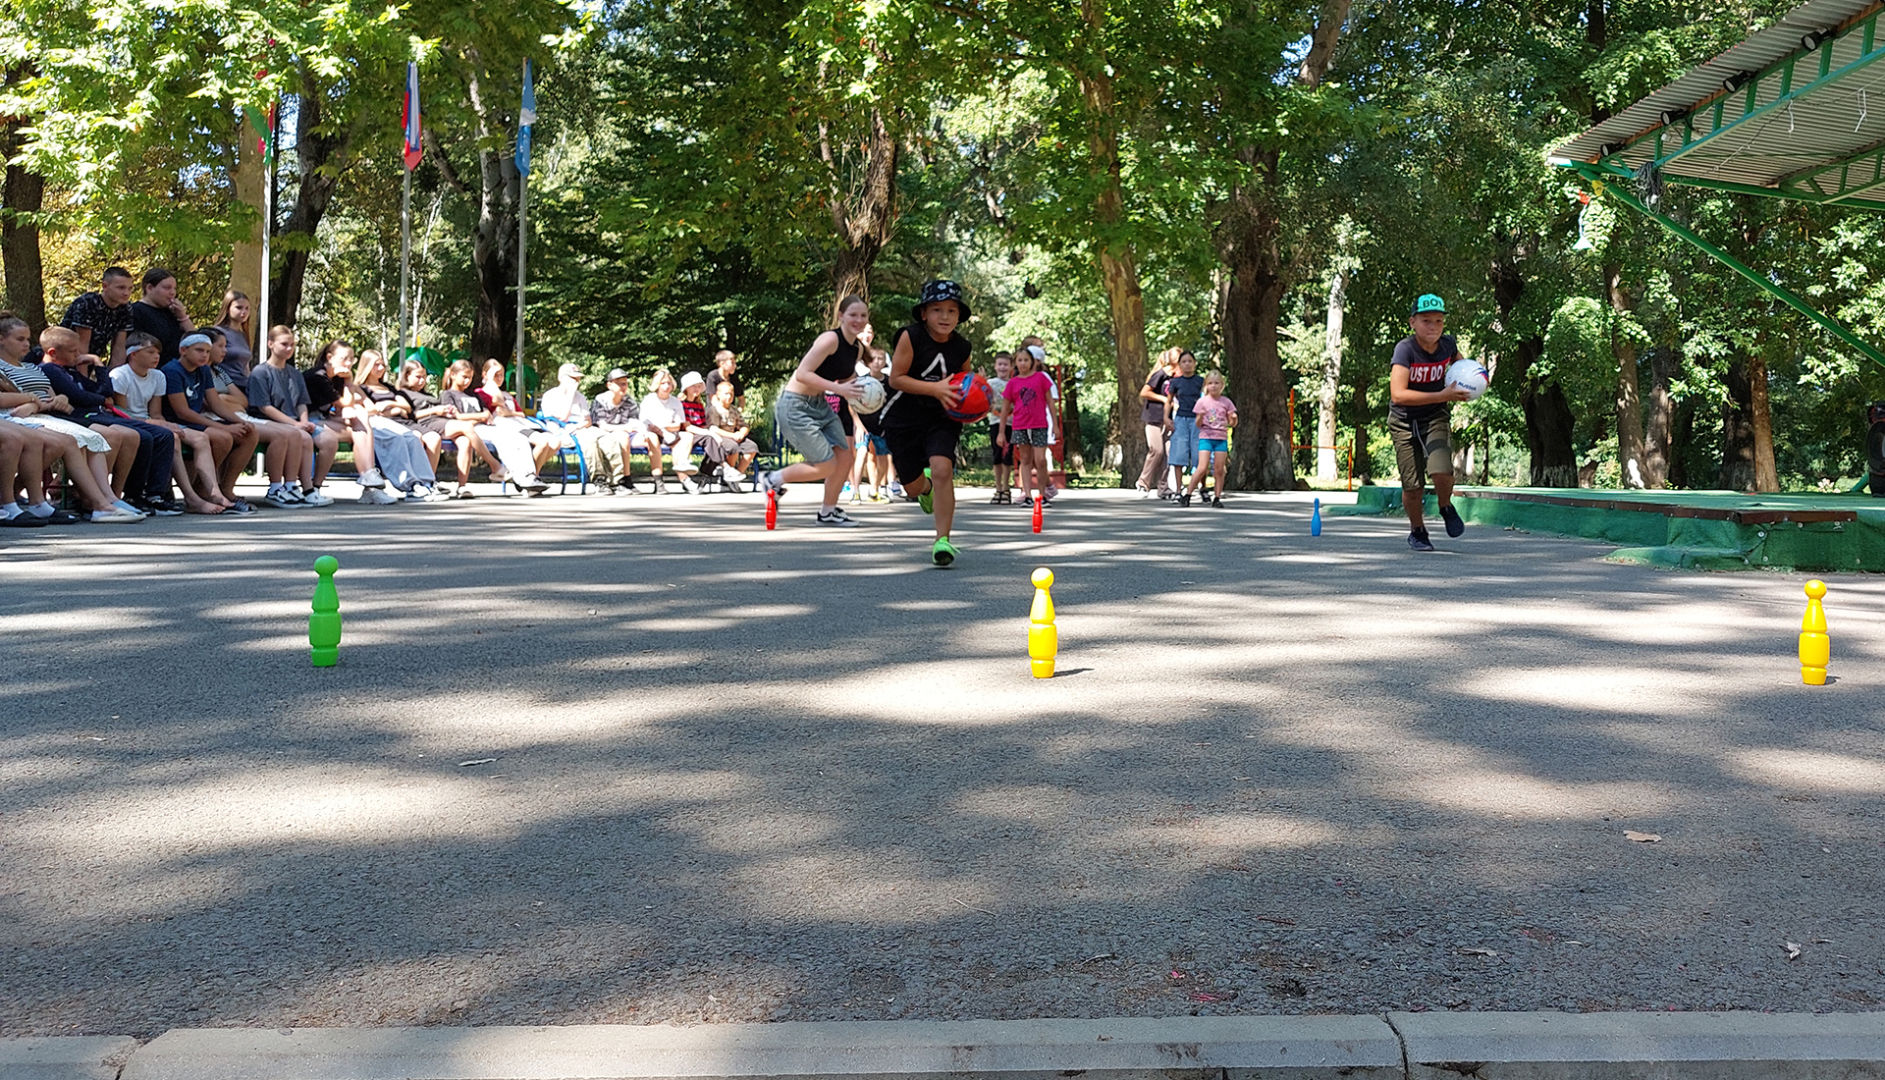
943 553
927 501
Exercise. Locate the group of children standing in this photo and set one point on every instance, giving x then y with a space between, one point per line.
1188 422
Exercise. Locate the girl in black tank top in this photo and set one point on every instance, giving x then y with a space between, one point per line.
809 424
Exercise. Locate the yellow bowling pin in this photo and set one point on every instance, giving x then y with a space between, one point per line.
1043 639
1816 648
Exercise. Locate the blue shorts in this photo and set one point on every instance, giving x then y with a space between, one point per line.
878 445
1214 446
1184 451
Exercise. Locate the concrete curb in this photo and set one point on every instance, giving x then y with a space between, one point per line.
1662 1046
1416 1046
90 1057
1126 1049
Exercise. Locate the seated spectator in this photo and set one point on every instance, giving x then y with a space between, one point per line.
102 318
138 389
113 465
278 395
505 412
400 452
83 380
283 445
694 410
662 411
433 420
191 400
332 368
81 449
161 315
619 428
22 464
567 411
510 444
58 349
238 348
725 364
727 426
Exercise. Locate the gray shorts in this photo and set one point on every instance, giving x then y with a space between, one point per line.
810 426
1028 436
1422 448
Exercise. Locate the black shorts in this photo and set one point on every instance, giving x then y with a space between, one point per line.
912 448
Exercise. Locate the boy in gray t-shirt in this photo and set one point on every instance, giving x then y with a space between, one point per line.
278 395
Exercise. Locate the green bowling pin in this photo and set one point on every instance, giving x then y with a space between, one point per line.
324 624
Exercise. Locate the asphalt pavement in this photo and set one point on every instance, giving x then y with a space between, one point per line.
632 760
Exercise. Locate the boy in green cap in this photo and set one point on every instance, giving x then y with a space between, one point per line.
1420 417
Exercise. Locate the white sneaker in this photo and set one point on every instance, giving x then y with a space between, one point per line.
278 497
128 508
372 478
315 498
688 485
115 516
374 496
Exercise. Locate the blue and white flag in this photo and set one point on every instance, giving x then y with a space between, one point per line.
526 116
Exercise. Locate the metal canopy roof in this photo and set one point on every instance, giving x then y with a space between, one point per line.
1797 111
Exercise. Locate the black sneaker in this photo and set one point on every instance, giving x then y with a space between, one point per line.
1455 525
1185 499
1217 502
1418 540
837 517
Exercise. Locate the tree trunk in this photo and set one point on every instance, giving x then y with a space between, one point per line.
1629 395
1070 421
1118 260
1660 430
322 157
1331 377
1548 419
1358 424
1261 459
1250 239
1680 442
24 193
494 236
1737 432
864 223
1766 476
245 257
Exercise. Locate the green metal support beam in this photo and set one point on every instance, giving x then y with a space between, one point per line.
1618 186
1611 171
1860 171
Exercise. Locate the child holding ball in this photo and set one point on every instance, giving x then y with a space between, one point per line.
921 435
1216 415
1420 417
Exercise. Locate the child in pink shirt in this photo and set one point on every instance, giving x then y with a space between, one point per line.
1216 415
1026 395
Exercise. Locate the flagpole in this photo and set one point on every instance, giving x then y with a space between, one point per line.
523 233
405 259
258 319
409 159
259 323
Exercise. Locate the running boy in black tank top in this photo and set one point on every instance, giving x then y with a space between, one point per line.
921 435
808 422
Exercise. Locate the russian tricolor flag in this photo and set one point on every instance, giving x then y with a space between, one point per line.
413 150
